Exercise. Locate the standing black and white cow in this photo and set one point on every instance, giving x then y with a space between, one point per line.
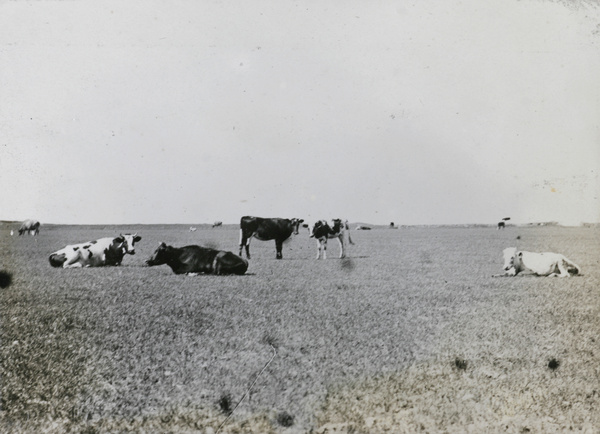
195 259
322 231
266 229
501 225
99 253
31 226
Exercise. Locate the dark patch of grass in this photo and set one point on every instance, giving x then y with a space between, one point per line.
5 279
270 339
225 404
460 364
347 264
553 364
285 419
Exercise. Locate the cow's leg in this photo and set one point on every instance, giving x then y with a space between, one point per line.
342 252
73 263
279 248
245 243
324 248
562 269
349 238
242 241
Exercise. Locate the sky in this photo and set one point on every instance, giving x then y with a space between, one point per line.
437 112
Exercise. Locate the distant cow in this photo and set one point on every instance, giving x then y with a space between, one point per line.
99 253
501 225
31 226
265 229
542 264
322 231
362 228
216 224
195 259
193 229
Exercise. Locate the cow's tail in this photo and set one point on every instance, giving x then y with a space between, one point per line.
348 232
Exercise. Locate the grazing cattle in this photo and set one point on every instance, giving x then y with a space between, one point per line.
216 224
31 226
265 229
362 228
193 260
99 253
322 232
193 229
542 264
501 225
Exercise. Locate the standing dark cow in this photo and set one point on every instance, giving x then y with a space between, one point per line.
501 225
193 260
99 253
265 229
31 226
322 231
217 224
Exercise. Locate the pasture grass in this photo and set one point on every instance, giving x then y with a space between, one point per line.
409 333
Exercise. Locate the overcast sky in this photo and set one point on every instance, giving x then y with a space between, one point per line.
194 111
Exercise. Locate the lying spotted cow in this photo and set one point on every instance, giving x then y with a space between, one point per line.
193 260
99 253
541 264
322 231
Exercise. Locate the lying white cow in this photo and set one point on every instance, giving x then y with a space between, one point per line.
542 264
105 251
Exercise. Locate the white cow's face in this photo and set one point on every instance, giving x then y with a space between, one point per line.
129 242
509 257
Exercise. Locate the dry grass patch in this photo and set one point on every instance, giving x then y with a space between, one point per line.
492 396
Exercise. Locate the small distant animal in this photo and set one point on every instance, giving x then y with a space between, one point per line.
103 252
31 226
541 264
193 260
322 231
501 225
362 228
217 224
265 229
12 232
193 229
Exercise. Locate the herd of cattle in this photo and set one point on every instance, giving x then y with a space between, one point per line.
196 259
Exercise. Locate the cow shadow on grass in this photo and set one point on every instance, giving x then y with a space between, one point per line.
333 258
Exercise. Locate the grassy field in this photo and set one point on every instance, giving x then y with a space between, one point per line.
411 333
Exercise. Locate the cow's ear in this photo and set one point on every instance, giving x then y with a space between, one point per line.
136 238
120 238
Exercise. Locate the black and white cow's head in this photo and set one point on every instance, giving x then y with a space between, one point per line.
296 225
128 242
